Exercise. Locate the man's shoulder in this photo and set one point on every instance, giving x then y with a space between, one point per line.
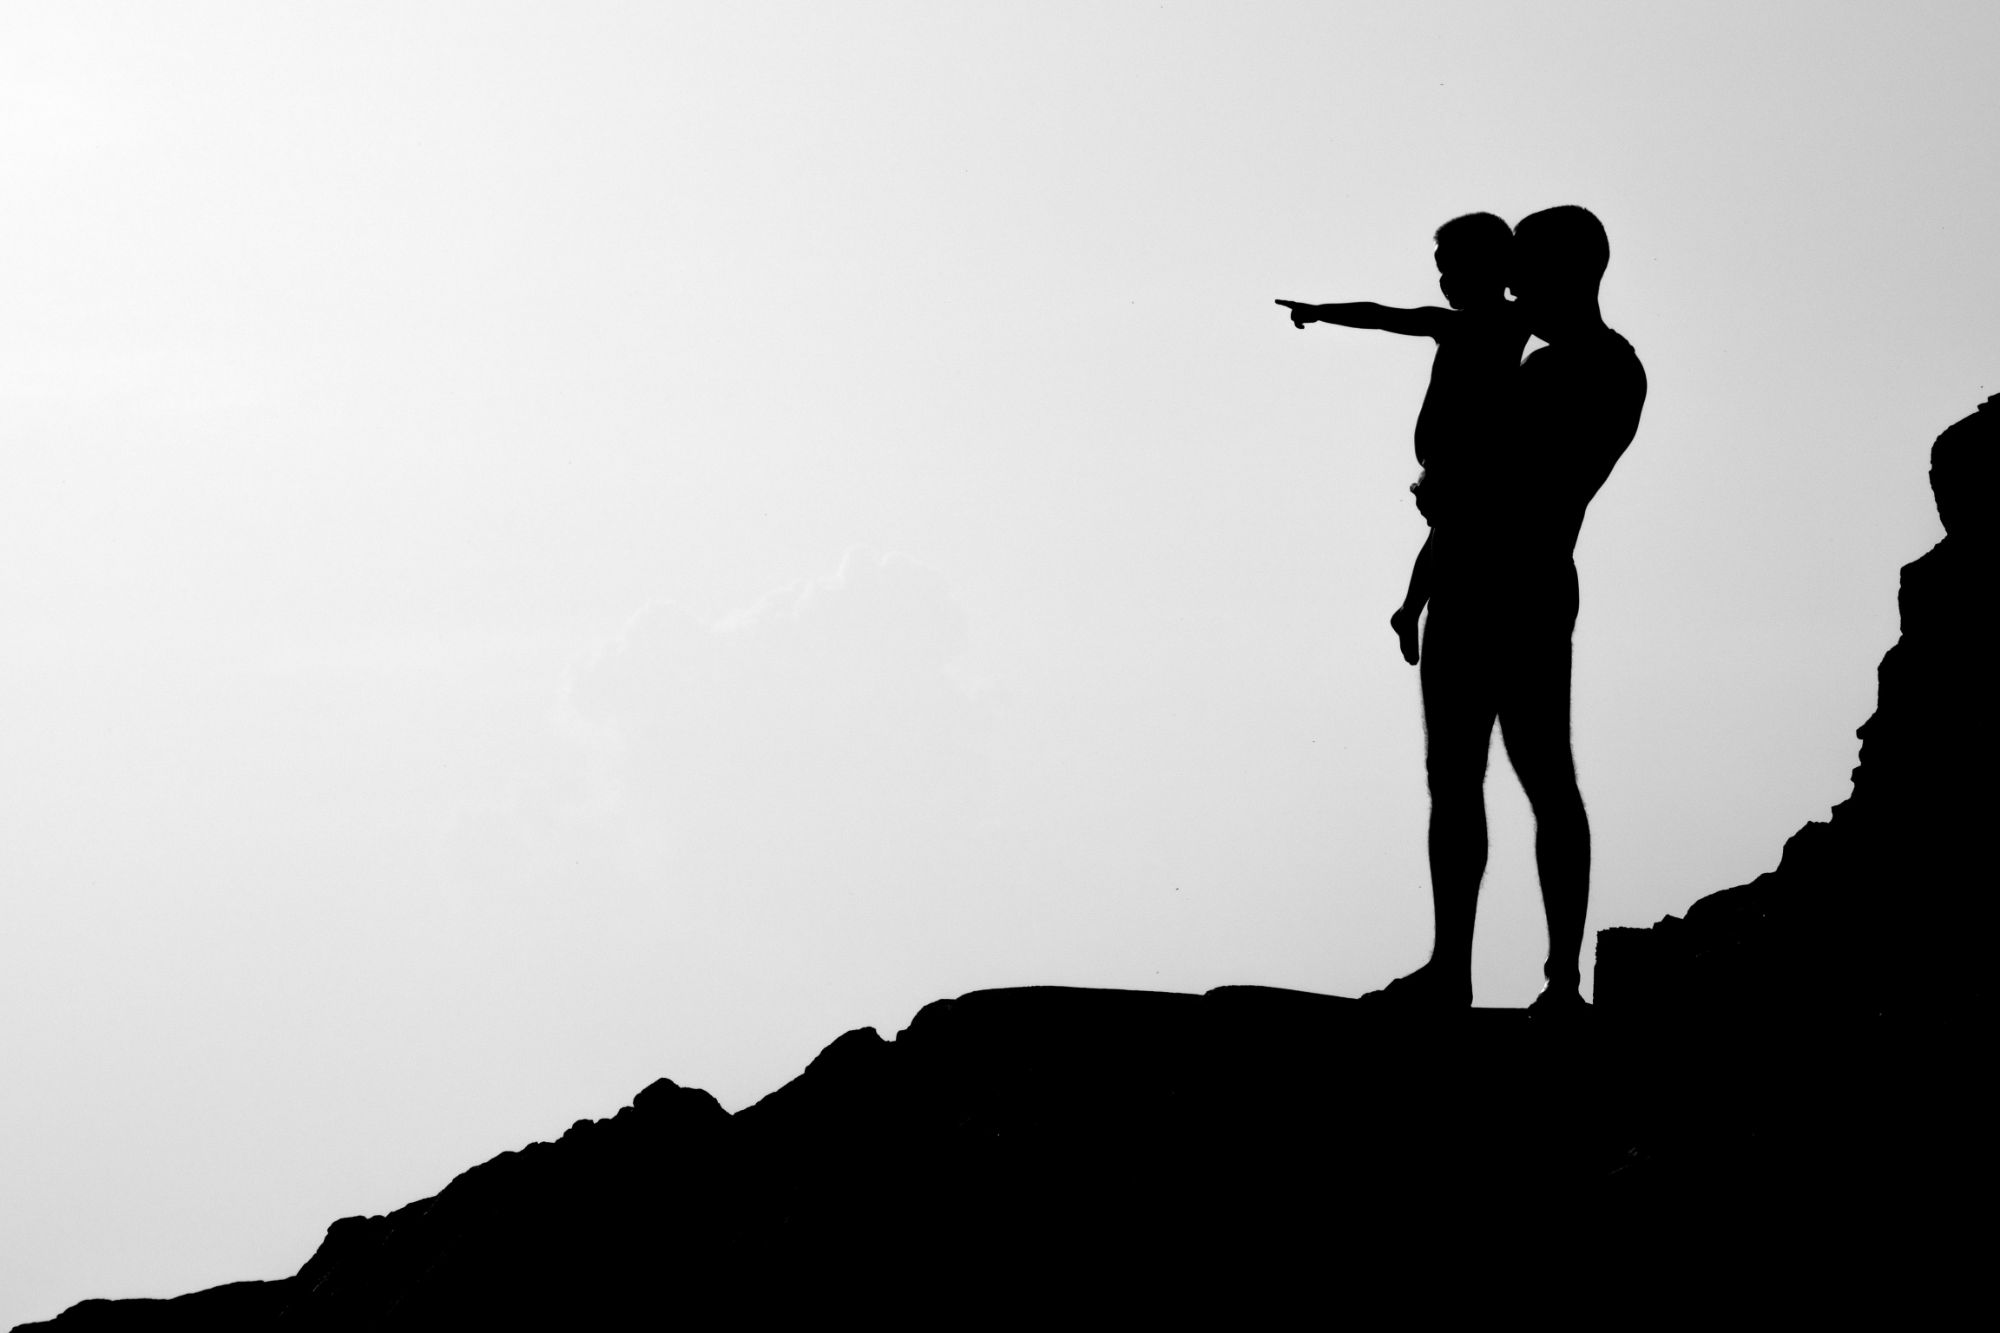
1603 354
1605 344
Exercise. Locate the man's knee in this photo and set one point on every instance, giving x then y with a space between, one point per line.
1456 782
1547 772
1557 804
1456 757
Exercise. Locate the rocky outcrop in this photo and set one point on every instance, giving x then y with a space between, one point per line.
1875 912
1769 1109
224 1309
1116 1156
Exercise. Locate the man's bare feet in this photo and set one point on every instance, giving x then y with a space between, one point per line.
1404 622
1561 1004
1426 990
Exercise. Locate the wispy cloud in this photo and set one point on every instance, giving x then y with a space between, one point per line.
828 709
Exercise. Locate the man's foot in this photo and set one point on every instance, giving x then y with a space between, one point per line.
1425 990
1404 622
1559 1005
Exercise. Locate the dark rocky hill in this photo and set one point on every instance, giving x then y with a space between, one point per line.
1872 913
1771 1111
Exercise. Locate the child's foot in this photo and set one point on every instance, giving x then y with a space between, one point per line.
1404 622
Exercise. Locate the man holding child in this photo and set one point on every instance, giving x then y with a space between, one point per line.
1499 576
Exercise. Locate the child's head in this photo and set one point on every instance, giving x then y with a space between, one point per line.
1472 259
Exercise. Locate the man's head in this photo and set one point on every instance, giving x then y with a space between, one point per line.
1472 258
1559 258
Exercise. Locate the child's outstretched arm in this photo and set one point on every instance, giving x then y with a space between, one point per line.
1429 321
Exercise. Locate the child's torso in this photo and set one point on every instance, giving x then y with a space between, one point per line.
1471 377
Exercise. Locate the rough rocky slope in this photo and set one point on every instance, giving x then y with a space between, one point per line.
1771 1109
1874 911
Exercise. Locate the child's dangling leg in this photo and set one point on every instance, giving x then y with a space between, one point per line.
1404 622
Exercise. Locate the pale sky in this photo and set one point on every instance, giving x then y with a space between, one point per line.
548 546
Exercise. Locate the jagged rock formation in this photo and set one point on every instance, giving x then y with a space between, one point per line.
1770 1107
1115 1155
1873 912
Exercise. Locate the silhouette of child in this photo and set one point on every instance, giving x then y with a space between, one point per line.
1479 348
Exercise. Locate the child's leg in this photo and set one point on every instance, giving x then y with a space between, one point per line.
1404 622
1420 582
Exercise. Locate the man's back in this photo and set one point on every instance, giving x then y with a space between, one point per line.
1575 408
1510 533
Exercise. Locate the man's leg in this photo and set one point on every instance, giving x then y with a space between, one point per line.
1458 730
1534 725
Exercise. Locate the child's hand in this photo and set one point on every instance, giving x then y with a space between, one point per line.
1433 500
1302 313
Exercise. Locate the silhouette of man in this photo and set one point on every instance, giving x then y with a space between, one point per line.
1496 644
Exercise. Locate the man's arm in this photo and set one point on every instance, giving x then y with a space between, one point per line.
1429 321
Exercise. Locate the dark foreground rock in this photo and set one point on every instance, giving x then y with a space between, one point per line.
1073 1154
1773 1110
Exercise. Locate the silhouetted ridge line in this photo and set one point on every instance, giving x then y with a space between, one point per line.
1772 1105
1866 913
